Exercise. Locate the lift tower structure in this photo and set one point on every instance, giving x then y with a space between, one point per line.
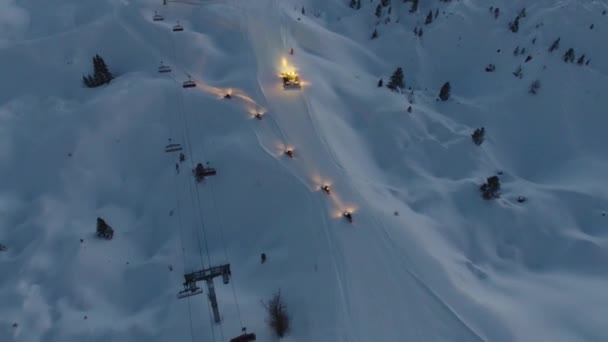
191 289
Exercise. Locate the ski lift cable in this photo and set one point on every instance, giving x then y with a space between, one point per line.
189 147
197 191
189 143
183 112
183 109
181 234
198 197
220 224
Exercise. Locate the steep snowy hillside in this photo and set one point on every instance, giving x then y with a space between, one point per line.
425 257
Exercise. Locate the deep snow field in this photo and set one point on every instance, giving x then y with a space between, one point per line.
425 258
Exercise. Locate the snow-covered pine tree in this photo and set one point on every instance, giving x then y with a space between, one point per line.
444 93
396 81
429 18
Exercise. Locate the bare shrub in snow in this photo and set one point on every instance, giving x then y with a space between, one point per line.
278 319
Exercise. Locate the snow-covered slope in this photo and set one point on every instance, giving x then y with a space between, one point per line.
425 258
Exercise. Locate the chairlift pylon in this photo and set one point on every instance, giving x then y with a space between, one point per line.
163 68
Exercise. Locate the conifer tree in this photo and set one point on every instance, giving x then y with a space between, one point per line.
581 60
101 74
444 93
379 11
491 188
478 135
396 81
569 55
429 18
555 45
514 26
414 7
534 87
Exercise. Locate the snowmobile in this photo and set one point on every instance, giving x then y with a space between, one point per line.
289 152
348 216
104 230
291 80
325 188
189 83
177 27
163 68
157 17
200 172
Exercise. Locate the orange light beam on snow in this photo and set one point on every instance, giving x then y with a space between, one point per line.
221 92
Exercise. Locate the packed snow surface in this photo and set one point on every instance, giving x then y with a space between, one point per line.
425 257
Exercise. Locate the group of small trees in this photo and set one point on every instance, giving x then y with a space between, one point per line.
514 25
569 55
101 74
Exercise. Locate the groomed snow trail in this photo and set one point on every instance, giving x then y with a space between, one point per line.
365 264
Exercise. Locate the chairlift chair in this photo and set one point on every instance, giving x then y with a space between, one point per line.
173 148
225 277
200 172
245 337
164 68
189 292
189 83
177 27
157 17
